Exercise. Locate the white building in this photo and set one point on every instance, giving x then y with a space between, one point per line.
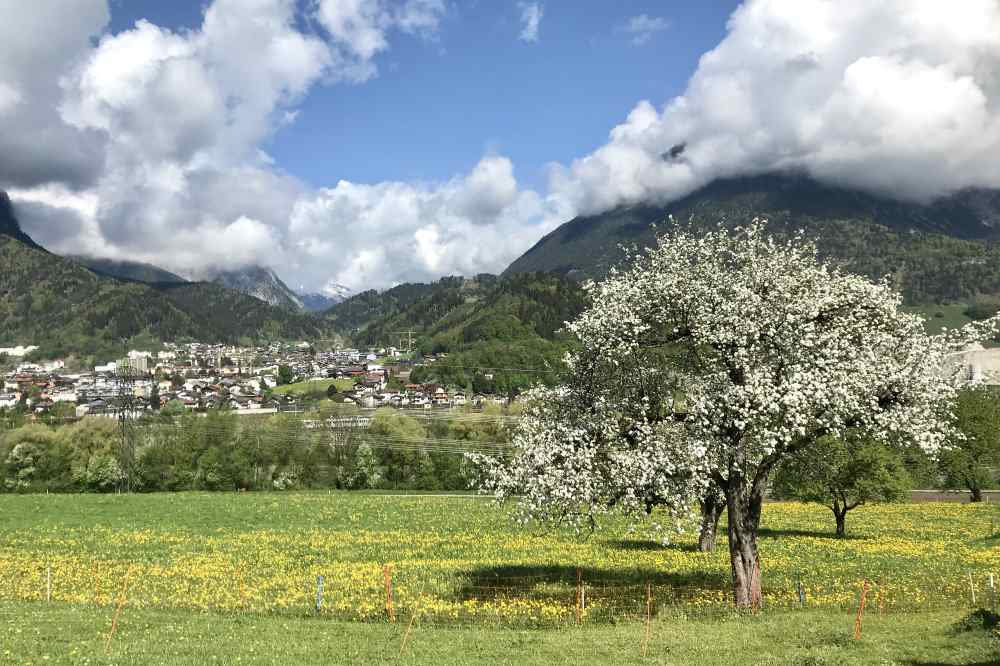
65 395
18 351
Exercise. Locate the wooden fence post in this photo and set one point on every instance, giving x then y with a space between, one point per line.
972 589
649 613
861 611
387 577
993 594
319 594
801 591
579 596
48 583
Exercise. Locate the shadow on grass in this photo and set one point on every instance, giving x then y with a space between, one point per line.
989 662
649 545
766 533
558 584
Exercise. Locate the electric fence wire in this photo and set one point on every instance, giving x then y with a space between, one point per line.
429 445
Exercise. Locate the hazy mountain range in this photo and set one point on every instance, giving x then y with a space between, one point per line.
260 282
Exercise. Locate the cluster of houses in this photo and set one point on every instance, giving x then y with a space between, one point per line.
197 376
370 394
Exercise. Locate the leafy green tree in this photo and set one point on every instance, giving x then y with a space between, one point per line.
154 397
369 472
29 457
843 474
92 446
285 375
401 434
972 459
426 473
173 408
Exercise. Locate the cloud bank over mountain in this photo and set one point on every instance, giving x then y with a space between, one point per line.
899 96
148 144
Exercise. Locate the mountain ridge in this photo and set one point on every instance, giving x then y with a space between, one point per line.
136 271
260 282
942 251
69 309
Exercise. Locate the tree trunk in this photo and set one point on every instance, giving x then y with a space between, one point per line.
977 495
743 507
711 512
841 517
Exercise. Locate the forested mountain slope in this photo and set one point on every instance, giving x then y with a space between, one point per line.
66 308
497 334
934 253
136 271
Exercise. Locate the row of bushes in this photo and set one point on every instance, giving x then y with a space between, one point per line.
220 451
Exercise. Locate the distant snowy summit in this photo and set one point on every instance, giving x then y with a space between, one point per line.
260 282
331 294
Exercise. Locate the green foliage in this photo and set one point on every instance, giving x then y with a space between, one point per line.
135 271
982 308
173 408
843 474
285 375
978 620
508 328
33 459
217 450
971 460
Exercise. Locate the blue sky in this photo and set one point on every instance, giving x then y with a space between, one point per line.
437 105
372 142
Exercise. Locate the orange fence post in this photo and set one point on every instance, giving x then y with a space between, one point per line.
387 577
861 610
123 597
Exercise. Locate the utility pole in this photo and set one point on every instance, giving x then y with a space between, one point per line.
409 339
125 377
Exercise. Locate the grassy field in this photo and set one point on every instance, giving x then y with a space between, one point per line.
477 587
313 386
945 315
38 633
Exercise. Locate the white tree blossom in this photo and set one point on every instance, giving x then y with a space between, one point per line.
767 346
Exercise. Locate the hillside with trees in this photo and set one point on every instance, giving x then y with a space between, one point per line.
68 309
136 271
488 334
933 253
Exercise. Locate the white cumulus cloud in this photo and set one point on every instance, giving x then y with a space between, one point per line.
899 96
641 28
150 143
531 20
395 232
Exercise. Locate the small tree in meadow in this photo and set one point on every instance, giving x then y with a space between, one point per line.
972 457
843 474
772 349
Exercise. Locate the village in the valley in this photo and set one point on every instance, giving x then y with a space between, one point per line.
281 377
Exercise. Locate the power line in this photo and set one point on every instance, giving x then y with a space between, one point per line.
445 363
